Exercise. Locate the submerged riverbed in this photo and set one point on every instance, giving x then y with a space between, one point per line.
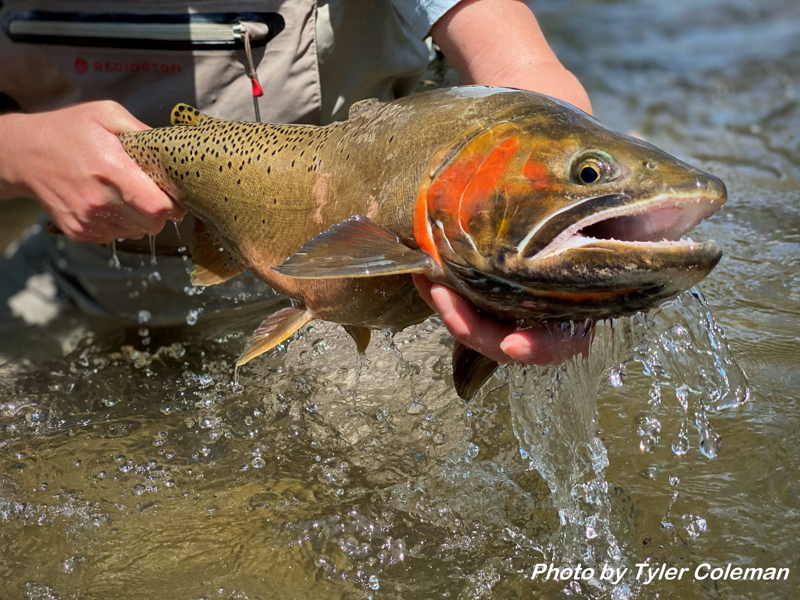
132 467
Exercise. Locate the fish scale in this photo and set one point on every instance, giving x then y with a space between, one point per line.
467 186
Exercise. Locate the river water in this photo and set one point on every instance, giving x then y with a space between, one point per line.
132 467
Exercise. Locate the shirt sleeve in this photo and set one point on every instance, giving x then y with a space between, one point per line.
422 14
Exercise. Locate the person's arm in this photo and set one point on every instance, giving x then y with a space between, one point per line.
499 43
72 162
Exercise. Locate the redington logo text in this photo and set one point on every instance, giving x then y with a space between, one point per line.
117 66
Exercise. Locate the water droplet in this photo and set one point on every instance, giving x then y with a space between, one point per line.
192 316
68 565
694 525
674 480
113 261
373 583
472 450
617 377
680 445
258 462
648 443
416 408
710 442
152 240
650 472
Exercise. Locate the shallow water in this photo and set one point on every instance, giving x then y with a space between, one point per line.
138 470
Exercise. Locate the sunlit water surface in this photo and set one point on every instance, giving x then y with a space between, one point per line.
132 467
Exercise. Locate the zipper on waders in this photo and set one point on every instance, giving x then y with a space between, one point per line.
186 31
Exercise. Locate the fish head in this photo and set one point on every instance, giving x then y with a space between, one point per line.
548 214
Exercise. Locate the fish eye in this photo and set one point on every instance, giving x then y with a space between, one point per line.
592 169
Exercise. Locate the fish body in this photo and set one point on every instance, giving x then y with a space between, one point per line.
525 205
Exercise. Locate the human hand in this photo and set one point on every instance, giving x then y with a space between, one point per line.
500 340
72 162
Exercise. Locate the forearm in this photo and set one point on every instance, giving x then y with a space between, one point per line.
500 43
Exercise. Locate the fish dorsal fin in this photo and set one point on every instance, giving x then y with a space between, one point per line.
360 335
362 106
356 247
276 329
213 261
183 114
471 370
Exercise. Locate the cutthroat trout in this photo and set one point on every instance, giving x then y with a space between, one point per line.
522 204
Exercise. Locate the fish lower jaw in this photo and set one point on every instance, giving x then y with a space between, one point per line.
581 241
657 223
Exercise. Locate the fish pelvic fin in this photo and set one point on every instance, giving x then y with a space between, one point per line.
276 329
356 247
183 114
360 335
214 261
471 370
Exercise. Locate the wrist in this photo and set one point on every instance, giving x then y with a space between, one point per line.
13 129
544 77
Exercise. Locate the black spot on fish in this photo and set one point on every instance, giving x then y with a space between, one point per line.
220 168
229 164
198 174
238 182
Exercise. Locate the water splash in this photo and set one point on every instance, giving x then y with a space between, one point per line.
555 417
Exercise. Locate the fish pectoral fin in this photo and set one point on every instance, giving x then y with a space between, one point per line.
362 106
471 370
276 329
356 247
360 335
214 262
183 114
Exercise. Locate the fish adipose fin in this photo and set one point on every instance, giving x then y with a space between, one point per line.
356 247
183 114
362 106
471 370
214 263
276 329
360 336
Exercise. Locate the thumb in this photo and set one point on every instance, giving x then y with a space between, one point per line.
116 119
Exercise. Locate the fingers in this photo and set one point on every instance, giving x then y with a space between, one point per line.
139 192
500 340
480 333
546 344
463 321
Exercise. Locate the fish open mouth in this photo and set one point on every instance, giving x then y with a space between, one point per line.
657 223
